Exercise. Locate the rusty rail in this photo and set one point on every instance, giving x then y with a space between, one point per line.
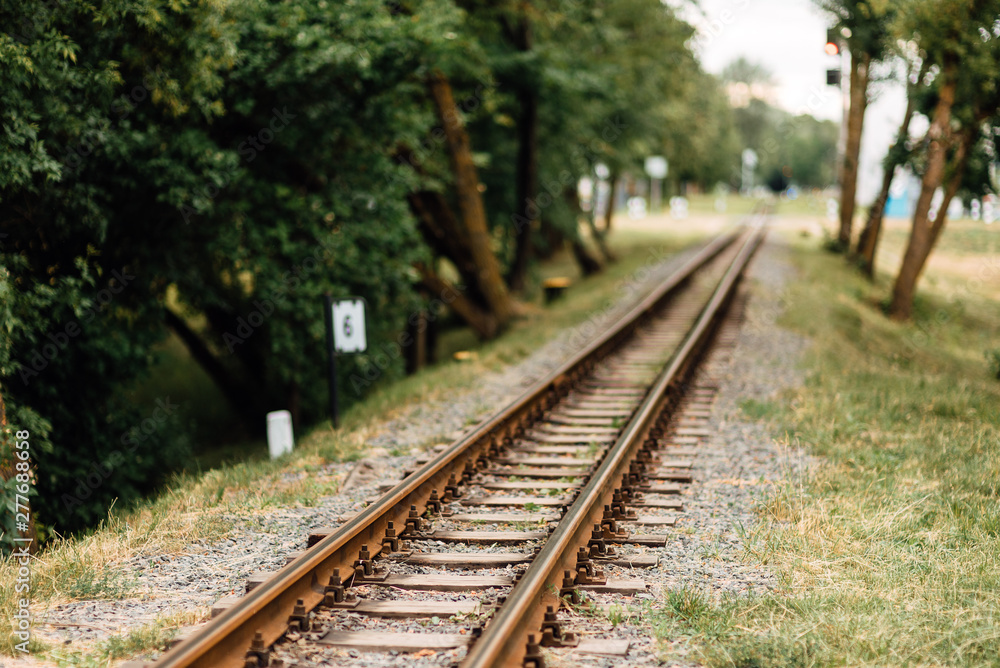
224 641
505 640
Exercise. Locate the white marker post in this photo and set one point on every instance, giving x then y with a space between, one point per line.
656 168
345 333
279 433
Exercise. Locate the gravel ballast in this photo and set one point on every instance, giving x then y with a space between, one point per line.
734 468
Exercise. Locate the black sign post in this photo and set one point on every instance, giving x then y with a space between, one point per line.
332 357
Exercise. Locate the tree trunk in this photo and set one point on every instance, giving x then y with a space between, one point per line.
446 237
612 194
921 240
599 236
849 168
868 242
224 322
483 322
954 182
294 403
416 351
236 392
588 263
599 240
470 203
950 190
527 171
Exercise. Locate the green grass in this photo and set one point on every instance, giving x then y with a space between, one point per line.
759 410
960 236
888 552
152 636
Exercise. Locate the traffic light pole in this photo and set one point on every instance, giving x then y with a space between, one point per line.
835 47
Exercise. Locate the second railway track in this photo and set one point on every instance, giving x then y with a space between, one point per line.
551 497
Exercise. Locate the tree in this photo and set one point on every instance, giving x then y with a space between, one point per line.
959 37
701 141
747 72
865 24
78 316
470 205
518 68
213 170
896 156
640 90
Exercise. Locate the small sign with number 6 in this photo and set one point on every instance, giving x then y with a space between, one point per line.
349 326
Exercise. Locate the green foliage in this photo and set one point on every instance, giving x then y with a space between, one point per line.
633 90
81 313
228 160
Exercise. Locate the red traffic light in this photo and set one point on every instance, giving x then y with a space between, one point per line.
832 47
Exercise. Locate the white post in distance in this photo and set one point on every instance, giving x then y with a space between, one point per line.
280 440
656 168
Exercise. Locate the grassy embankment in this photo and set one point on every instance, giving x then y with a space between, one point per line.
204 506
888 552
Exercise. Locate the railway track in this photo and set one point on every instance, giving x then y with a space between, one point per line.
555 496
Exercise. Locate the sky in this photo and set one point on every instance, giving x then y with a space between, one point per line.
787 37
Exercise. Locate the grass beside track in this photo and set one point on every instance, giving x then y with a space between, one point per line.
205 506
888 551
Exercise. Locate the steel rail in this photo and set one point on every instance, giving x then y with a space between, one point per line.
505 638
222 642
